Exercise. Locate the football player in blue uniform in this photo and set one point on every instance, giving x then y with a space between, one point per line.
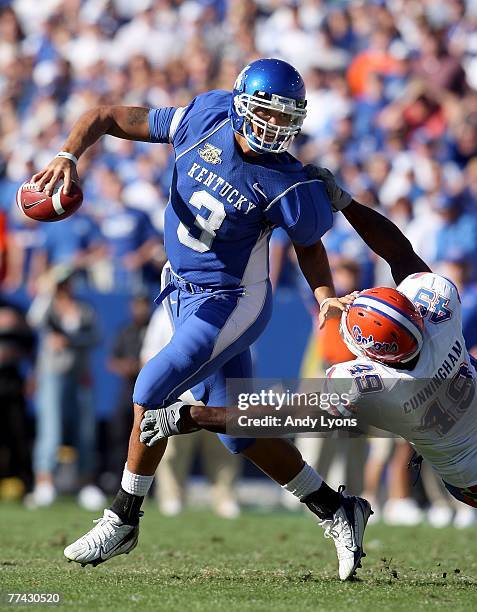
233 181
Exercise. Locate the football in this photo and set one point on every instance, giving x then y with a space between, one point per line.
38 205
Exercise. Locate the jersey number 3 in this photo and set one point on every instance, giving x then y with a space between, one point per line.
209 222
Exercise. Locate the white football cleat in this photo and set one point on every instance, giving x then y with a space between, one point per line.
108 538
346 529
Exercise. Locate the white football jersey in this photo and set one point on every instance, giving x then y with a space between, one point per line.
433 406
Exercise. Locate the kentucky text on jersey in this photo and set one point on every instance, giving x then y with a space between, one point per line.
227 191
224 204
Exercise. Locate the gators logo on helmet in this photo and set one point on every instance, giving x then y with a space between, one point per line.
383 324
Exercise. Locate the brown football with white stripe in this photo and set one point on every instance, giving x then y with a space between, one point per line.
42 207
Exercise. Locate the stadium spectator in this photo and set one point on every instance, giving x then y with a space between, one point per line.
125 361
457 234
131 240
16 347
459 270
391 456
24 245
3 246
377 58
65 410
75 243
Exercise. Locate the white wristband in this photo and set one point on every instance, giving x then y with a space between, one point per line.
67 155
326 300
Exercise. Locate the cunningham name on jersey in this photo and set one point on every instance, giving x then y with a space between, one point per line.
434 405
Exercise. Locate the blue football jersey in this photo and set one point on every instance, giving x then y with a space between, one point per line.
223 204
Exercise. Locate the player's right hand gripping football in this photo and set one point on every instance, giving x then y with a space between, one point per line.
58 169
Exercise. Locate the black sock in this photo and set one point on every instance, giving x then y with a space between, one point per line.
324 502
127 507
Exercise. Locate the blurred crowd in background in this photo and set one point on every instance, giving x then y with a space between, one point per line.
392 111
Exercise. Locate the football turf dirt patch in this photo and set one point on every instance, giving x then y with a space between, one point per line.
260 562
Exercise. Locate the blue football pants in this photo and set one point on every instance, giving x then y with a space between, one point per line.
212 334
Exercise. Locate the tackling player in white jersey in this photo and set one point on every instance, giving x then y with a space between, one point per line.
413 375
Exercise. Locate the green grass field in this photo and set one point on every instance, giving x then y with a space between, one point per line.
260 562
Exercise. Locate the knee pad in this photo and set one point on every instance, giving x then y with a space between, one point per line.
235 445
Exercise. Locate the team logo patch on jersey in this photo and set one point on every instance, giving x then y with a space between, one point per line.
210 154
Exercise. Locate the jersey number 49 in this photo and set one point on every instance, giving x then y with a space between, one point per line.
442 414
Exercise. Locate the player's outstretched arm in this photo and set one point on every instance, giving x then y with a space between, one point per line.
128 122
379 233
386 240
313 262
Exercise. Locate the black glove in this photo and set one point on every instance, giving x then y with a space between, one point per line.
339 198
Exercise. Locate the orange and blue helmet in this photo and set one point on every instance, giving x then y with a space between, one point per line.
269 85
384 325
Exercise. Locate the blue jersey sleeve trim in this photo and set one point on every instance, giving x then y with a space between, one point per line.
303 210
161 120
289 189
180 112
